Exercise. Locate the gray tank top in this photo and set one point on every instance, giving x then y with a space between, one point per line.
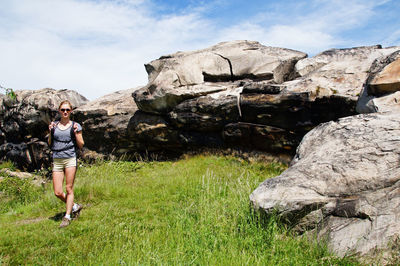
63 144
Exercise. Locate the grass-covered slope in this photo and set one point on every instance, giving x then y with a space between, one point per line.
191 211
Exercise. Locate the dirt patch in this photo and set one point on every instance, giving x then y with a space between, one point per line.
30 221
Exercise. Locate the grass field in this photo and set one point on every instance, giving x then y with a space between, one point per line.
191 211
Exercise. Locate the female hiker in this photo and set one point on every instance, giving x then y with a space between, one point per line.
64 139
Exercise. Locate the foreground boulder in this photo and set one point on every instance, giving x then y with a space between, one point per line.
344 183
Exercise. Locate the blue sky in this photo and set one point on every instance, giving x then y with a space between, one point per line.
97 47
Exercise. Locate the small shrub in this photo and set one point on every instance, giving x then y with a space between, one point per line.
9 93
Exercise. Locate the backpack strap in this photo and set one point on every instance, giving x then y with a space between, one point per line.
52 134
73 137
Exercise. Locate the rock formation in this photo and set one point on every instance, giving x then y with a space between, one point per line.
234 94
225 95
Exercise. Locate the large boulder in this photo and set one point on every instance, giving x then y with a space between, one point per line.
343 183
186 75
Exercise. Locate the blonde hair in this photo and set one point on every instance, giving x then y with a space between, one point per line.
65 102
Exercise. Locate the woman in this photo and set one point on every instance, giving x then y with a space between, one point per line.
65 138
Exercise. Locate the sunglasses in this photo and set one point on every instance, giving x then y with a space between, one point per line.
65 110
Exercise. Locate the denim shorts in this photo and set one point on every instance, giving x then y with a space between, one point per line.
59 164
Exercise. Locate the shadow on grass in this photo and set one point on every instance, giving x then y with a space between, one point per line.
57 217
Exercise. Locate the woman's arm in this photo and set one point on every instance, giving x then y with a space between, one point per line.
79 139
52 124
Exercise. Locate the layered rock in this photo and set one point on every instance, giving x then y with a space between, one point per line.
186 75
234 88
337 71
344 183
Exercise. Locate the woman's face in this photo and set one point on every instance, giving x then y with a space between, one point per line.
65 110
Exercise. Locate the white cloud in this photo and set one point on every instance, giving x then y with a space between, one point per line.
317 27
92 47
286 36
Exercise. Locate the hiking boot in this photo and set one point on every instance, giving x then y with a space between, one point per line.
65 222
78 209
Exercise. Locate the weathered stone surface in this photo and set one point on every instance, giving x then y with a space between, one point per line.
30 156
105 122
294 111
387 79
164 100
185 75
345 178
336 72
260 137
380 91
372 104
287 111
152 132
208 113
264 87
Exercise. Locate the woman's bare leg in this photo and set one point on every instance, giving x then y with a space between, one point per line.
70 178
58 179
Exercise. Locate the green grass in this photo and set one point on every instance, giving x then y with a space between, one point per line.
191 211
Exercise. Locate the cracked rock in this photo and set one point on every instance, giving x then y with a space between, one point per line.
186 75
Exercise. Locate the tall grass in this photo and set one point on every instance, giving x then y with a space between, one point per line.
192 211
